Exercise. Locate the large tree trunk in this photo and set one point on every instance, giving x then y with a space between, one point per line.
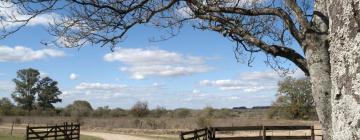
345 68
317 55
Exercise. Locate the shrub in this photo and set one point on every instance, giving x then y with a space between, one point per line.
17 120
118 112
203 121
158 112
181 113
79 109
140 109
137 123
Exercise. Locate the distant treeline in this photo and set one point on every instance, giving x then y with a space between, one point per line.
255 107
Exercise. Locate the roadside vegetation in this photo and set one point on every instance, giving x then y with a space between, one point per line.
35 97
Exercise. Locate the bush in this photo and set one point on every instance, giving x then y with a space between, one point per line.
181 113
223 113
17 120
137 123
140 109
294 100
158 112
118 112
79 109
203 121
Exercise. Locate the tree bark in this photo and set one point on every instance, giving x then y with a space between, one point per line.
319 68
317 55
345 68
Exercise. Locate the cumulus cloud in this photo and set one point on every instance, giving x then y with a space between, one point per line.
23 54
141 63
73 76
12 15
119 95
246 82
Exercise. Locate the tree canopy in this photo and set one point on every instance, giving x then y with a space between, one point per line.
29 86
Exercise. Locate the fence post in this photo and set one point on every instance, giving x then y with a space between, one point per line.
263 132
312 133
12 128
27 132
56 129
79 131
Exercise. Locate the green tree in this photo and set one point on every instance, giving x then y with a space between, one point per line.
6 106
26 88
48 93
79 108
294 100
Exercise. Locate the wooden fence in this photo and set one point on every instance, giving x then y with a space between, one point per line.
56 132
210 133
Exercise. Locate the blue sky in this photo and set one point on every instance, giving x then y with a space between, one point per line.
194 69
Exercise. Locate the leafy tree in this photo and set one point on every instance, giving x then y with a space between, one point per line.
294 100
30 85
26 88
140 109
80 108
325 33
6 106
48 93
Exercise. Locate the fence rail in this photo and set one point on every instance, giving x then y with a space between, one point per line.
56 132
210 133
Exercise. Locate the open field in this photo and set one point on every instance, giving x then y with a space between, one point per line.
108 128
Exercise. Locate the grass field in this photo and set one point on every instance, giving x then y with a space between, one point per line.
19 135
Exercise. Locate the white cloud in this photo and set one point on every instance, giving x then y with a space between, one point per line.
73 76
6 87
100 86
43 74
247 82
23 54
10 13
141 63
256 81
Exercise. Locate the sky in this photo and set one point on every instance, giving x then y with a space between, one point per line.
194 69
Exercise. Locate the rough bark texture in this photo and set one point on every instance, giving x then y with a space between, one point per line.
319 68
317 55
345 68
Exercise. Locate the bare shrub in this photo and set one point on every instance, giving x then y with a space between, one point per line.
158 112
140 109
17 120
203 121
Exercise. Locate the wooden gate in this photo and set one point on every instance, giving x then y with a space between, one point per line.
56 132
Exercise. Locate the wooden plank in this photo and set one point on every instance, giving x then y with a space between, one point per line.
193 131
195 137
267 138
237 128
240 138
288 127
240 128
288 138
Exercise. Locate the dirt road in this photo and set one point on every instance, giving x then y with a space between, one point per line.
105 136
112 136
